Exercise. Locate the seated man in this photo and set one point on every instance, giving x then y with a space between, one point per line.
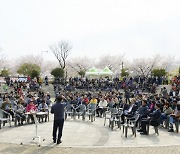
143 110
43 107
174 117
153 119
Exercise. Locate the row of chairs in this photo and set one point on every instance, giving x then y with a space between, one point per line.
5 117
81 110
114 117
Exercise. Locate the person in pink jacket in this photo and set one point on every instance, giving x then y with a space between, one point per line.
31 108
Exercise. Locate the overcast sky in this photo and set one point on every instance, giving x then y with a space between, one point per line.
138 28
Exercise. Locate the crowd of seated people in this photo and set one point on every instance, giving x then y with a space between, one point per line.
17 101
153 109
106 84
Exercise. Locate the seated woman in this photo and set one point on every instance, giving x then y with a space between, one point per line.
152 106
31 108
20 113
174 117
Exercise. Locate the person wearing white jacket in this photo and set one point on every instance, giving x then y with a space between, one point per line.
101 107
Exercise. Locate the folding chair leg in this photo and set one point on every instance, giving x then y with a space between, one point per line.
135 132
65 116
91 118
167 124
126 130
177 127
119 124
147 129
15 122
112 125
83 117
105 121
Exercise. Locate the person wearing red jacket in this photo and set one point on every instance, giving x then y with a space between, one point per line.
31 108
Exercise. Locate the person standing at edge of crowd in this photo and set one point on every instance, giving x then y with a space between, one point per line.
58 111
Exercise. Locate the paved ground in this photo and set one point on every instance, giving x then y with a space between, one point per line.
86 137
13 148
87 134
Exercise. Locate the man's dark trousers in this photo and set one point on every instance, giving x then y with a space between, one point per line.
58 125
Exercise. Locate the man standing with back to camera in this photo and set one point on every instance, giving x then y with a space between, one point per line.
58 111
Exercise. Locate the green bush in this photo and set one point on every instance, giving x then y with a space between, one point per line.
82 73
5 73
58 72
158 72
124 72
29 69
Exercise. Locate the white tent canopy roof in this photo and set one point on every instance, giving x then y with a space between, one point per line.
94 72
106 71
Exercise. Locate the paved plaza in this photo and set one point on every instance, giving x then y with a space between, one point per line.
85 137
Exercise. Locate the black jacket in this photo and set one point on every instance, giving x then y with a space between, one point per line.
143 111
155 116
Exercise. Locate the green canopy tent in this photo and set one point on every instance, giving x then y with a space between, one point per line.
106 72
92 72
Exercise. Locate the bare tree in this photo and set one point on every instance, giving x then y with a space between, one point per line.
81 63
114 62
48 66
3 60
15 63
144 66
61 51
167 63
